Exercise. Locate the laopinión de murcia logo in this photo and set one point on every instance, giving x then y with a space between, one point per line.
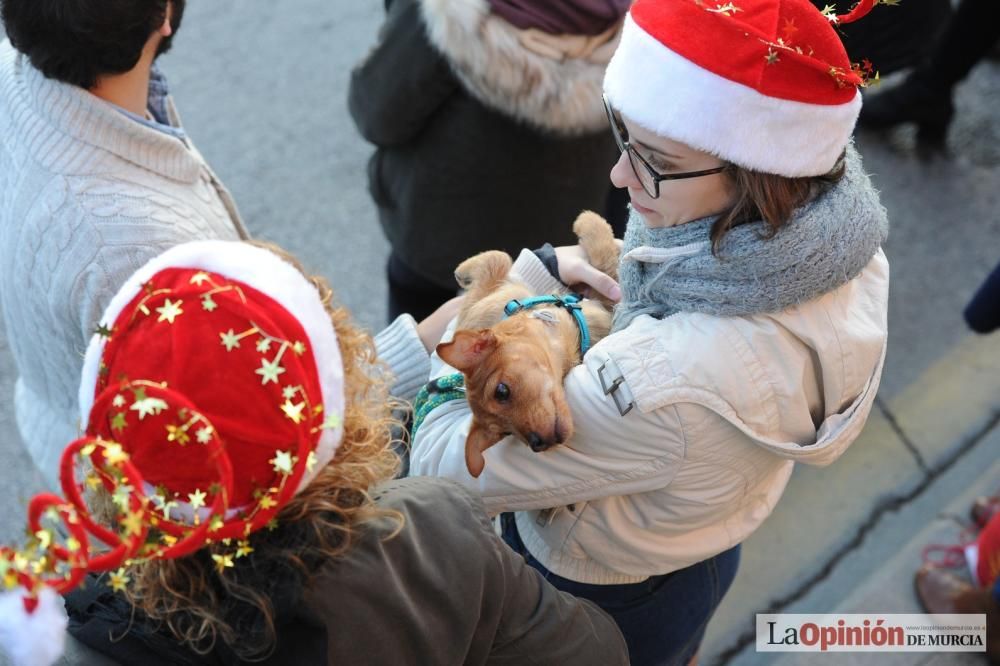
860 632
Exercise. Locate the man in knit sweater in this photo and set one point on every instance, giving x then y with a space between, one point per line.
96 177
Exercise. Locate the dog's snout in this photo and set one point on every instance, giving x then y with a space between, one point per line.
560 431
536 442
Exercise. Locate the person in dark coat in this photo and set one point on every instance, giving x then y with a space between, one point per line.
489 131
926 97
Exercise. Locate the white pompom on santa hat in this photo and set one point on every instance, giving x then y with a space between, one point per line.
763 84
35 638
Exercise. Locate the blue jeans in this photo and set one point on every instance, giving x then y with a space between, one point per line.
663 618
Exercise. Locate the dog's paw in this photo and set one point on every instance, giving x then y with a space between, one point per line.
598 241
593 232
485 269
591 226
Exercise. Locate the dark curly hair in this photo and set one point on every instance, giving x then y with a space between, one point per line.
78 41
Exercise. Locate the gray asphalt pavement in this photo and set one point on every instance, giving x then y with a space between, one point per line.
261 86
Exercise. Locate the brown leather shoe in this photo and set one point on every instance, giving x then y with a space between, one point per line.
941 591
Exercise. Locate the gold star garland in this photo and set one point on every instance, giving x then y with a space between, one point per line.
169 311
270 370
728 9
830 11
842 78
136 511
45 555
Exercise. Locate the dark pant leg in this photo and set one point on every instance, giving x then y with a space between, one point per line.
412 293
663 618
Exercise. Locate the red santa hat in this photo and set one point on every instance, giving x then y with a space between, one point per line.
764 84
212 392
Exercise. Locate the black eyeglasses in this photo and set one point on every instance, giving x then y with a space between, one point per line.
649 177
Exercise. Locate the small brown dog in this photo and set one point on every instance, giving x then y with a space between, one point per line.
514 366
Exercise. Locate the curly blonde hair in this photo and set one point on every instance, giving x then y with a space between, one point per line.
199 606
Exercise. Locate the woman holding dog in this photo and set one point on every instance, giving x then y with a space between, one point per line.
751 330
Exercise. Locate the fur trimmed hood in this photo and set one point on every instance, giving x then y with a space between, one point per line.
523 74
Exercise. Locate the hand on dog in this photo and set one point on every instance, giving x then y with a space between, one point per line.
431 329
577 273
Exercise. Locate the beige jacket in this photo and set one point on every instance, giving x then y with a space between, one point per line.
721 409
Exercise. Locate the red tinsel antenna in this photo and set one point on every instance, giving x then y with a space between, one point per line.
861 10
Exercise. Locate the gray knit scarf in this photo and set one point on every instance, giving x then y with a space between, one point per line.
827 242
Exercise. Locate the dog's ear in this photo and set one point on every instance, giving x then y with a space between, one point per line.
478 441
467 349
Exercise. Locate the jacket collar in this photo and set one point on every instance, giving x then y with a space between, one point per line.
83 117
559 81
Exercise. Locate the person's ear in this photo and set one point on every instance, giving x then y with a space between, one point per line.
166 28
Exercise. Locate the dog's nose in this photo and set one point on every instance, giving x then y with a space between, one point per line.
536 442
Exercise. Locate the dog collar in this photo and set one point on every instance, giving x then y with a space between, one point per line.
570 301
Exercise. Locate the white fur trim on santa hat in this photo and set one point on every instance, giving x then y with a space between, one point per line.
266 272
671 96
36 638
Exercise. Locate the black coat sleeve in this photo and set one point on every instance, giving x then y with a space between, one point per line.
401 82
547 255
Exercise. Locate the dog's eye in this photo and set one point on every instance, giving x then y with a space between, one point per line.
502 393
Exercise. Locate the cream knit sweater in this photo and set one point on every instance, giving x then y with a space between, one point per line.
87 196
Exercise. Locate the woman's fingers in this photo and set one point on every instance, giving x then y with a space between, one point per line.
574 269
600 282
431 329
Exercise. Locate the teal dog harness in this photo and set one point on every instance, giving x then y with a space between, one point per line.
571 302
452 387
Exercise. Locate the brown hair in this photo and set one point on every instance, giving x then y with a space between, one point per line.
769 198
200 606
